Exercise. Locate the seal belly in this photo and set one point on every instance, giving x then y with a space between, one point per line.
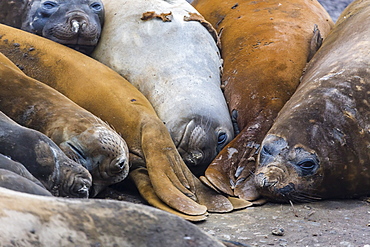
265 47
176 64
325 124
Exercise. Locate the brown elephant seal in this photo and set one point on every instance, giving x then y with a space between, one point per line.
82 136
74 23
318 147
43 159
175 63
48 221
14 181
278 42
129 112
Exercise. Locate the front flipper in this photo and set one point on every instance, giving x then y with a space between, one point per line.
232 170
141 179
170 177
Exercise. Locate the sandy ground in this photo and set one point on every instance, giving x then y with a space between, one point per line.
326 223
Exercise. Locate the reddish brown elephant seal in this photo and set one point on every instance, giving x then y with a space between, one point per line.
109 96
75 23
175 62
265 46
318 147
43 159
81 135
48 221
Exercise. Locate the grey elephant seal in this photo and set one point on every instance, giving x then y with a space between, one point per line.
74 23
318 147
43 159
48 221
13 175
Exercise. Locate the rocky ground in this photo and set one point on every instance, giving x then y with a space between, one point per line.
337 223
327 223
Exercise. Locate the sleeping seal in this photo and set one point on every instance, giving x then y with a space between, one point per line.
43 159
162 49
318 147
75 23
81 135
265 47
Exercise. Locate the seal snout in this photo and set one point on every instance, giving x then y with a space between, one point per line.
78 21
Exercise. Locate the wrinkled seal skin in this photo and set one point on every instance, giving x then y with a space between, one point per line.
13 175
319 144
176 64
265 46
109 96
75 23
92 222
81 135
43 159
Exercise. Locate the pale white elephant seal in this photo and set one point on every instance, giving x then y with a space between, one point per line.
169 52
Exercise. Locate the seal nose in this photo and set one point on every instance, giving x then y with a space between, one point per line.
195 157
263 181
78 21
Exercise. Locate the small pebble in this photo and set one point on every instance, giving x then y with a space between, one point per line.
278 232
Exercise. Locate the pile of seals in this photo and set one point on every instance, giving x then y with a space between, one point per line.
298 144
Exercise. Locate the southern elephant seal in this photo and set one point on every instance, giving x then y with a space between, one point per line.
13 175
265 47
43 159
74 23
163 49
112 98
48 221
14 181
318 147
81 135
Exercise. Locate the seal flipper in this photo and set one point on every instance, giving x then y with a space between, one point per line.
141 179
315 43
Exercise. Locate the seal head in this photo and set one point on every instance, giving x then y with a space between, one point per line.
75 23
287 173
101 151
200 142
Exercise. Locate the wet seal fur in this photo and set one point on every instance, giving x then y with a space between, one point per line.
43 159
174 61
75 23
265 47
81 135
172 185
318 148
